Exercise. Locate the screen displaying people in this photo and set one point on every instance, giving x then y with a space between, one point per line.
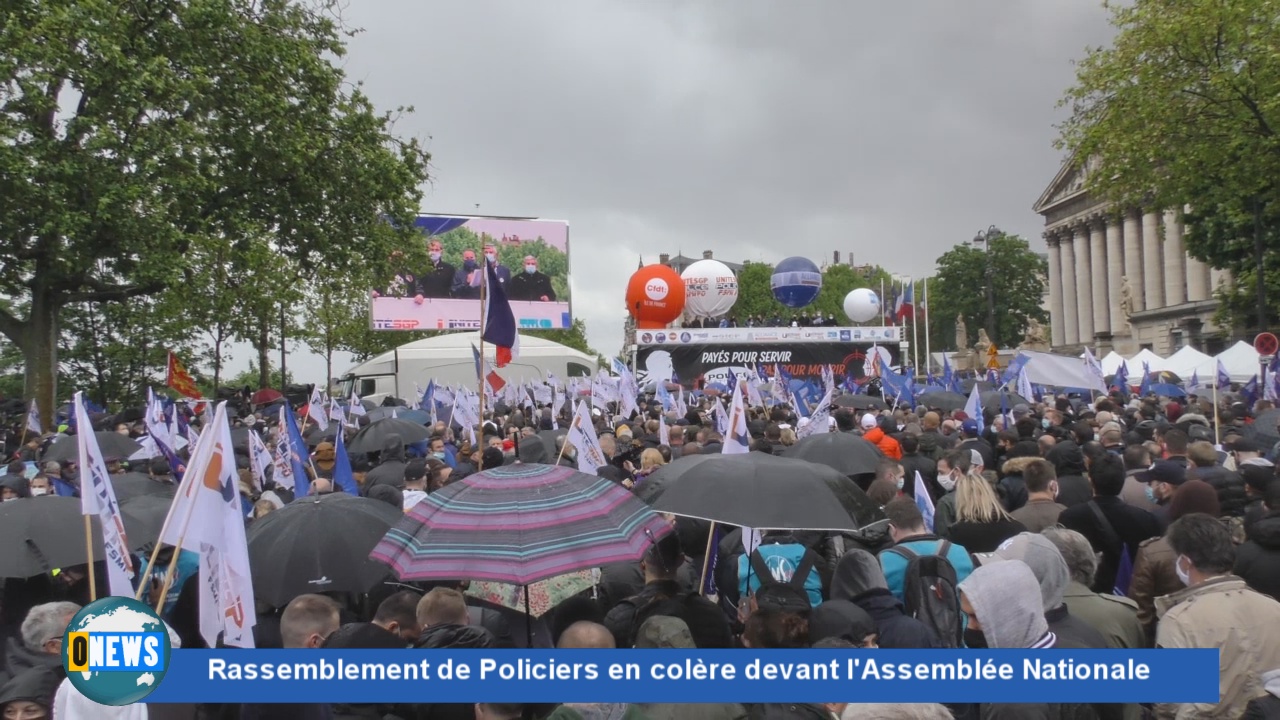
442 280
531 285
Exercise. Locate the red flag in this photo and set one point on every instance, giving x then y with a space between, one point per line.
180 380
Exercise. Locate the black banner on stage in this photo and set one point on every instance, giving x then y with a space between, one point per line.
697 365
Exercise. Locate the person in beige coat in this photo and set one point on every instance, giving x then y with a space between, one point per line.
1217 610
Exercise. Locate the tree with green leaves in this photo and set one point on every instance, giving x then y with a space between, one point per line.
132 135
755 293
959 290
1181 112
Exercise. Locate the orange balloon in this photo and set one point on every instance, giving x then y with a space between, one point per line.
655 296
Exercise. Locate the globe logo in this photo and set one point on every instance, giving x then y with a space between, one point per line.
116 651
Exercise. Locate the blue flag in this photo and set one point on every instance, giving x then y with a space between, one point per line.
709 587
1145 386
297 451
428 397
1121 381
343 477
1249 392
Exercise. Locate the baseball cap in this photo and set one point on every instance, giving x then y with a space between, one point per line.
1245 445
1165 471
415 470
1044 559
975 459
969 427
664 632
869 421
1021 410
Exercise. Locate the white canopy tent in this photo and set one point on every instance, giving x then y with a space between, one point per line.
1111 362
1189 361
1240 361
1154 362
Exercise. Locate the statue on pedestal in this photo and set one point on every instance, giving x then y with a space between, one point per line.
962 334
981 348
1034 338
1126 301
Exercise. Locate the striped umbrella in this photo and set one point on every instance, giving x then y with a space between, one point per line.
519 524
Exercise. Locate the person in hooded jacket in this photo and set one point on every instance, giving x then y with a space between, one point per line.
1258 559
1259 474
365 636
873 431
391 463
29 695
40 642
860 580
14 486
1068 463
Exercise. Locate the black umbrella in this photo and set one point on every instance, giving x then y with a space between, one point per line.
768 493
943 400
315 435
656 482
42 534
983 386
381 413
144 518
849 454
132 485
1263 430
859 402
991 400
112 444
318 544
372 436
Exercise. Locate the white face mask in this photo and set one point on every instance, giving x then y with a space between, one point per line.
1183 575
37 492
10 499
947 482
531 269
490 256
435 256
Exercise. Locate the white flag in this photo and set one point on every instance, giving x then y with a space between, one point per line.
582 436
973 408
664 433
1024 386
206 519
721 417
819 419
33 420
737 438
259 460
97 497
355 408
336 413
316 410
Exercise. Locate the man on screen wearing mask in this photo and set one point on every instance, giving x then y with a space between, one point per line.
1217 610
437 282
531 285
466 281
491 257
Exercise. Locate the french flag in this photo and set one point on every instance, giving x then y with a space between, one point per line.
499 321
905 304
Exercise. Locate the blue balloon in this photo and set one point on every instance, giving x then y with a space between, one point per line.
796 282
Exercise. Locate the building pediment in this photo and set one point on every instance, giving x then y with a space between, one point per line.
1068 184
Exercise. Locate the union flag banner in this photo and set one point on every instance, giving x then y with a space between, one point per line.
180 380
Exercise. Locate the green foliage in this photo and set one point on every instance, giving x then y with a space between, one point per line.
138 140
1018 277
1181 111
574 337
755 296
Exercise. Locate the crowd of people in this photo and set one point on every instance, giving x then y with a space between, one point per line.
1069 524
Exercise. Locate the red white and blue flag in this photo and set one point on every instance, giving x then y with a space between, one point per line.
904 306
499 321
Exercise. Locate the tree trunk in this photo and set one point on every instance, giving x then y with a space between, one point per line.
264 349
284 334
219 337
39 345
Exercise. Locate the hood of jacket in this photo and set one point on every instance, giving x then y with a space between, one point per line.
857 573
37 685
18 484
1271 682
392 449
1006 598
1017 465
874 435
840 619
455 636
1266 532
18 657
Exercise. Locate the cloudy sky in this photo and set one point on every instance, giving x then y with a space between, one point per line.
754 128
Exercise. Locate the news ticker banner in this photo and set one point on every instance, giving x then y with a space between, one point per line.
689 676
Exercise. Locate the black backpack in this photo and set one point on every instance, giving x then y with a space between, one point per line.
930 592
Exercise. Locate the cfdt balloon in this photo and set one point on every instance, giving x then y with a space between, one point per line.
862 305
655 296
710 288
796 282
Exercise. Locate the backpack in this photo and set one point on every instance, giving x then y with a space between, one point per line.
930 592
777 564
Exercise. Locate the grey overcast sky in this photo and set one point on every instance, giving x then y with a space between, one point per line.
757 129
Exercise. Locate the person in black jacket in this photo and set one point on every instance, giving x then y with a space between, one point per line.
1233 496
1258 559
913 462
437 282
859 579
307 622
531 285
662 595
1109 523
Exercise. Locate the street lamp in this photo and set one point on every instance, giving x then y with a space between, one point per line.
984 239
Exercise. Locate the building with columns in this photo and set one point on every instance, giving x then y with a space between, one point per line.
1120 278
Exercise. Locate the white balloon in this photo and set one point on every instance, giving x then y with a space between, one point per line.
862 305
710 288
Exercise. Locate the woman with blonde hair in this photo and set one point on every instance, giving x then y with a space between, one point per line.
981 521
788 437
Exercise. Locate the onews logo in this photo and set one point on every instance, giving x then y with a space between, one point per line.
116 651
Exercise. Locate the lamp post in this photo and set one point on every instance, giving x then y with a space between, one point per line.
984 240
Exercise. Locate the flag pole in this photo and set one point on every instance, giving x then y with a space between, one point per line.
88 546
706 559
928 354
484 310
577 420
1217 439
915 333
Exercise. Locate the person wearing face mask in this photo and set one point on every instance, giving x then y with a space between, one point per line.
491 257
13 487
466 280
41 486
531 285
1217 610
950 467
437 282
1153 567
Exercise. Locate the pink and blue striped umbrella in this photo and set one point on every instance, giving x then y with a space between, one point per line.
519 524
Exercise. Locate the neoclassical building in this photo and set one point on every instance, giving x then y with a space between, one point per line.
1120 278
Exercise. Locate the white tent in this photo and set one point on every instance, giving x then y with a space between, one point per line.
1154 362
1189 361
1060 371
1240 361
1111 362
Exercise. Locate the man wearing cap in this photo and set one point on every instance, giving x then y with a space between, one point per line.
415 482
531 285
872 433
972 441
1163 478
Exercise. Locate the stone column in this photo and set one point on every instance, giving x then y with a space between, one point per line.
1133 258
1175 260
1056 319
1115 274
1152 261
1197 281
1070 307
1098 271
1084 281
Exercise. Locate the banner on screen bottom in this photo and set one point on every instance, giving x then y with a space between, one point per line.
690 676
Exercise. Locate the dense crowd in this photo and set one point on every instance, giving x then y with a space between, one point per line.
1120 523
